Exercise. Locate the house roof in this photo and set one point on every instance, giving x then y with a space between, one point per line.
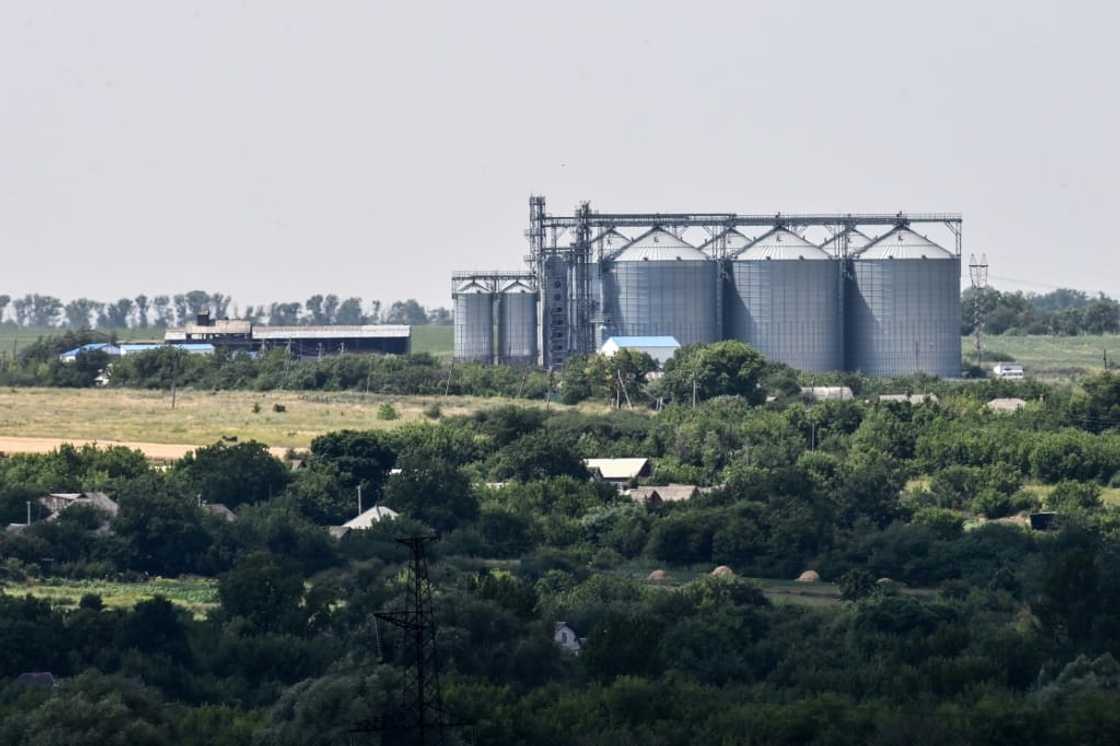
667 493
106 347
334 331
842 393
624 342
221 511
912 398
56 502
376 514
618 468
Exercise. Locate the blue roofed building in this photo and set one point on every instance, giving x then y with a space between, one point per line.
658 348
108 348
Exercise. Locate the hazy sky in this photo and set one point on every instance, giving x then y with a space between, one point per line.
274 149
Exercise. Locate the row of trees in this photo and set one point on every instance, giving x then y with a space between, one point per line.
160 311
1062 312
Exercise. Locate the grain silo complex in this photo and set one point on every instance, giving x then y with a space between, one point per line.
813 291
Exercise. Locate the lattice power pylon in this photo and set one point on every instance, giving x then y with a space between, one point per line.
423 719
978 276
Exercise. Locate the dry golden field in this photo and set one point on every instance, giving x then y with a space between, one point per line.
36 419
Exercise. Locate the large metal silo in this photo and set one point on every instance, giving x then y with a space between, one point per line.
517 324
783 299
903 307
474 323
660 285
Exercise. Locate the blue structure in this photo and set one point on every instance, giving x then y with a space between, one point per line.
108 348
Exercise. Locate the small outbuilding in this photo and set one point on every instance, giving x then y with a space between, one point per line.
658 576
827 393
566 638
914 399
667 493
58 502
809 576
723 571
220 511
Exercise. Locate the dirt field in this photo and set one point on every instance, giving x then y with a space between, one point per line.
39 419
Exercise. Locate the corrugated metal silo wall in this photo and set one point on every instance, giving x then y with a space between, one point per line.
789 310
474 327
661 298
517 328
903 316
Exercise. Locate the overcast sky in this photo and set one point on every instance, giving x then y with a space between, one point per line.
271 150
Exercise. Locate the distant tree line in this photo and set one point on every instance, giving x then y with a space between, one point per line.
1061 312
162 311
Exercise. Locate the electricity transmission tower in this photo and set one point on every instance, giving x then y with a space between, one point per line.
978 276
423 719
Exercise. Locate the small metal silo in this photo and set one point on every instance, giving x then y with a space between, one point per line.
902 307
517 324
783 299
474 323
659 285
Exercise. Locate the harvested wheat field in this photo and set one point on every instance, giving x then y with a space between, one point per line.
36 419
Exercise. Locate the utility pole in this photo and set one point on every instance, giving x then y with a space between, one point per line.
174 374
359 499
978 276
28 512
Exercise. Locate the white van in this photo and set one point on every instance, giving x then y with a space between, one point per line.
1012 371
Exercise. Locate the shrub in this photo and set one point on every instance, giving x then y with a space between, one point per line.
279 408
387 412
433 411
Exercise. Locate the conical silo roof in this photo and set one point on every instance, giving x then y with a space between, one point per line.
732 239
610 241
903 243
781 243
659 245
857 241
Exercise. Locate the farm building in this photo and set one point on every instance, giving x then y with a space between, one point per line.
666 493
658 348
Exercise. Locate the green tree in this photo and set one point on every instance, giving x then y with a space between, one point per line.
266 591
728 368
233 474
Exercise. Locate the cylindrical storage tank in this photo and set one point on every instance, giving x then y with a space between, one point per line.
783 299
517 324
607 244
474 323
660 286
903 307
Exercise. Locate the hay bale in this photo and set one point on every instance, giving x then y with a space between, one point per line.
658 576
809 576
723 571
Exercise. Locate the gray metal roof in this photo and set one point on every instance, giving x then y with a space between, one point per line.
781 243
857 241
903 243
610 241
659 245
732 240
334 331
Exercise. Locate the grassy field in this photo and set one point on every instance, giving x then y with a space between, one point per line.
1051 357
198 595
436 340
204 417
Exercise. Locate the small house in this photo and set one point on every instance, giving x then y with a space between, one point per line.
220 511
658 348
827 393
566 637
58 502
619 471
666 493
